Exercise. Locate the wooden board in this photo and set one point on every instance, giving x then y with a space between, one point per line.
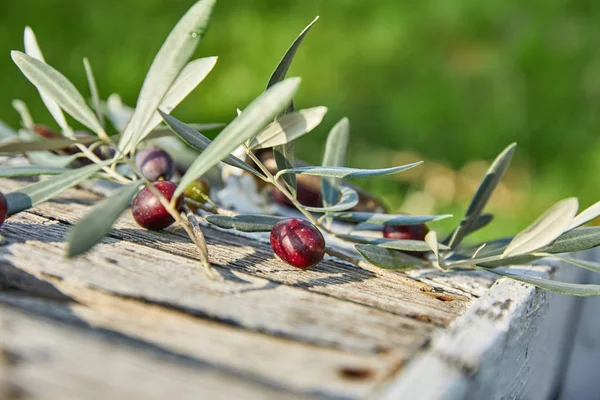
138 318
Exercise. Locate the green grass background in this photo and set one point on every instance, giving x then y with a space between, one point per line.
452 81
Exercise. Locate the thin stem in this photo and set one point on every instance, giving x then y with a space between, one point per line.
284 190
343 256
471 261
199 239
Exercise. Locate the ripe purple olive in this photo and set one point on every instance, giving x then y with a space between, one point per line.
3 208
199 191
147 209
298 242
155 163
407 232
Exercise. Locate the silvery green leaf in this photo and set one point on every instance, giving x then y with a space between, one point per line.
262 110
200 142
336 152
118 113
288 128
39 192
388 219
49 159
432 241
404 245
175 52
6 132
480 222
93 89
579 239
39 145
29 170
189 78
284 154
572 289
545 230
60 89
484 192
589 265
387 258
99 220
244 223
343 172
348 198
32 48
590 213
23 111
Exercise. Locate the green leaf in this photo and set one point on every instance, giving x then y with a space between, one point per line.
432 241
484 192
32 48
60 89
23 111
99 220
39 192
284 154
189 78
48 159
93 89
336 152
481 222
589 265
177 49
40 145
29 170
198 141
388 219
545 229
403 245
255 117
590 213
244 223
572 289
343 172
387 258
288 128
348 198
579 239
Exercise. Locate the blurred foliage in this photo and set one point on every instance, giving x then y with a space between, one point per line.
451 81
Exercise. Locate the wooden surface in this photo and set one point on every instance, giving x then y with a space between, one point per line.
138 318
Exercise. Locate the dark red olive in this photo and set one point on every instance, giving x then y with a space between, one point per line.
147 209
406 232
304 195
3 208
298 242
45 132
155 163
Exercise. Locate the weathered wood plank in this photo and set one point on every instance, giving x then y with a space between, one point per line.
45 360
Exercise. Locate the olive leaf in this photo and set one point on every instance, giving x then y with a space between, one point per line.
32 48
29 170
6 132
48 159
17 147
336 153
348 198
175 52
589 265
573 289
432 242
483 194
99 220
387 219
39 192
579 239
244 223
284 154
189 78
198 141
387 258
545 229
404 245
480 222
262 110
23 111
288 128
343 172
56 86
590 213
89 73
